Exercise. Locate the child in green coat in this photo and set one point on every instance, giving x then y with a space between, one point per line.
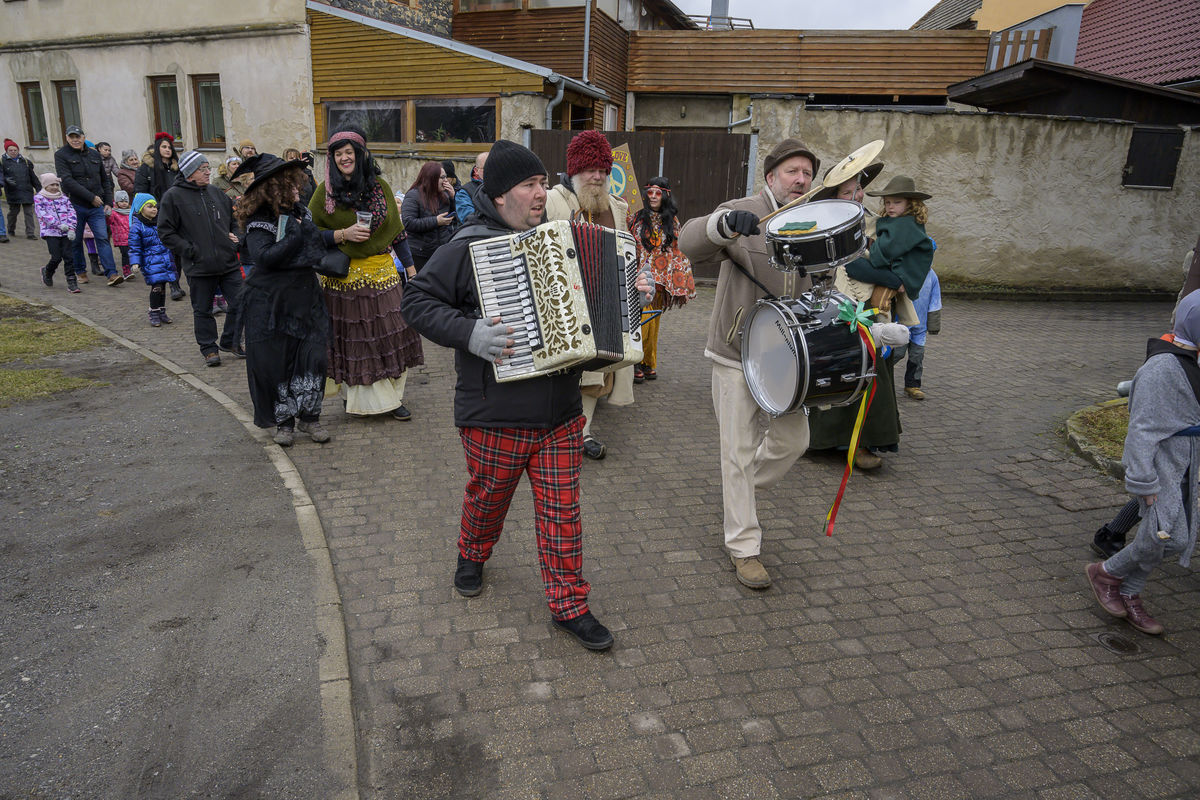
902 252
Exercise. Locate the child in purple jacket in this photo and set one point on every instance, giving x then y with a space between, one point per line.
56 217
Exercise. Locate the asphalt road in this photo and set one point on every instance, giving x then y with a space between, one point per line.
156 634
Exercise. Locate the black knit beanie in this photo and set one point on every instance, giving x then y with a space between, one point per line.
508 164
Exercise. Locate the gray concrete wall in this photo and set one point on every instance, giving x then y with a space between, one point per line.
1019 201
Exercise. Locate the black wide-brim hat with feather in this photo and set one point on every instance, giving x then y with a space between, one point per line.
263 166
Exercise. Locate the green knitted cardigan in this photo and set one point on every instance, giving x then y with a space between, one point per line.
343 217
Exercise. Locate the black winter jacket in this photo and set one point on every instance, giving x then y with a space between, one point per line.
20 181
420 223
83 175
195 222
441 303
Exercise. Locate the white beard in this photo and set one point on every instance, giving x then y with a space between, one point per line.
593 199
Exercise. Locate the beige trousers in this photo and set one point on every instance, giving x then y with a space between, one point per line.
751 458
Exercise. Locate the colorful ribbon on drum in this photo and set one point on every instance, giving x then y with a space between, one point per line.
859 318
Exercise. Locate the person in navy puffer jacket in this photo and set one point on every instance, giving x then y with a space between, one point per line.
148 253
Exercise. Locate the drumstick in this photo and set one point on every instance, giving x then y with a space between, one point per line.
801 199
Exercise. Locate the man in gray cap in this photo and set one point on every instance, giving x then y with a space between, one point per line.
749 459
195 220
90 189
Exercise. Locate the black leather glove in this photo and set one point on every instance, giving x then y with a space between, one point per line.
742 223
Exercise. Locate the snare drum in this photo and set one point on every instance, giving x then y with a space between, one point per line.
794 356
835 239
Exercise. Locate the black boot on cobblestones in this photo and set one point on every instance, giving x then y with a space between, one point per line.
588 630
468 577
1107 544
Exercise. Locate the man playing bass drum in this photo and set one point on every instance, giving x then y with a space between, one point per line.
750 459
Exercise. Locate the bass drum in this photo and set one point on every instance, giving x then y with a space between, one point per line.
795 357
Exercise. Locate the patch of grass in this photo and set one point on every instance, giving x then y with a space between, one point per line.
27 384
1104 427
31 332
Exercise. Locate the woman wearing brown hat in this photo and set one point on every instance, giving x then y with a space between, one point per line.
899 259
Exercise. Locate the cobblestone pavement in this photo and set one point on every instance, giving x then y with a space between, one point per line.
942 644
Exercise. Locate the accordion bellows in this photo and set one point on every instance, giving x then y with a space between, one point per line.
567 289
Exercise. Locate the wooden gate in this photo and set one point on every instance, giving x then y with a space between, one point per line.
705 168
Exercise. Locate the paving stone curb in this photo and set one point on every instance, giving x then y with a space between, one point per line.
333 669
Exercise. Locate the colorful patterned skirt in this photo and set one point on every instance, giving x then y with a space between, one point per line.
370 345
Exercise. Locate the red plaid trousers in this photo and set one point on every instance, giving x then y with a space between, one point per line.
496 458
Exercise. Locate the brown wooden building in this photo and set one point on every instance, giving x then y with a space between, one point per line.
588 40
415 92
843 66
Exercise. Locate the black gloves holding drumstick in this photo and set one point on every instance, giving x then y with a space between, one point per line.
741 223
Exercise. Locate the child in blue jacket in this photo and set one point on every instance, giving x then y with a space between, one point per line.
150 255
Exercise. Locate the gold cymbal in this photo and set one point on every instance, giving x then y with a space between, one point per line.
853 164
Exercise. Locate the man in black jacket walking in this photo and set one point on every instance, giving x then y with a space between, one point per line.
89 186
195 220
20 184
531 426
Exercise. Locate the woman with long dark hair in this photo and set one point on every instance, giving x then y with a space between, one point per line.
656 230
160 167
370 345
283 307
428 212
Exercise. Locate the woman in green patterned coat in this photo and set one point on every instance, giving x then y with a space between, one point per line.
370 345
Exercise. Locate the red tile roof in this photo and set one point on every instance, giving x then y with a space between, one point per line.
1153 41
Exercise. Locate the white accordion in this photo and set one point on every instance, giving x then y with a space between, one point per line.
567 290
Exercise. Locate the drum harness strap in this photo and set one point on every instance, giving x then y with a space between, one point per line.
755 281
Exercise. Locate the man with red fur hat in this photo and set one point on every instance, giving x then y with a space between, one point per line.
583 194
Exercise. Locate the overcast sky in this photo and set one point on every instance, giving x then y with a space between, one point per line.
817 14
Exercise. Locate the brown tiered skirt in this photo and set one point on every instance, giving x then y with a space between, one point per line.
368 338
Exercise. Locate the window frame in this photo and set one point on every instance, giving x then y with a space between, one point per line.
410 105
155 81
201 142
63 123
25 88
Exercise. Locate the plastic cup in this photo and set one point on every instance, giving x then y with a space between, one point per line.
364 218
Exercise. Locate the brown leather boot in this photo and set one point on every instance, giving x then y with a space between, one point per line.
1107 589
1138 617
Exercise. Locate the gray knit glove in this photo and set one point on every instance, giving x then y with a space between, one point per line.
646 297
488 339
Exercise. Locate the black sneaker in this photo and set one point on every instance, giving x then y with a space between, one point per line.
47 278
177 293
236 350
1107 544
468 577
212 359
402 414
587 629
593 449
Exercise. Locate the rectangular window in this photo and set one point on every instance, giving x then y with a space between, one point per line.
454 121
555 3
465 6
210 116
68 105
165 92
381 120
35 115
1153 157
